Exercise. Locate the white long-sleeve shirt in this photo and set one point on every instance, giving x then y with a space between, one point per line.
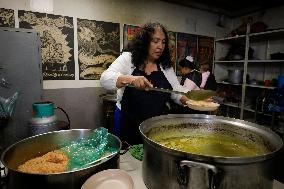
190 85
123 66
205 76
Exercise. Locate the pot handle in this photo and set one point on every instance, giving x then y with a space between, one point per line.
214 172
68 119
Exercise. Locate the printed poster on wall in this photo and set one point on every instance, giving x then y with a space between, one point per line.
186 46
128 33
7 18
172 47
57 43
98 47
205 50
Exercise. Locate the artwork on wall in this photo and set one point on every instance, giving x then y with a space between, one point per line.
172 47
205 50
128 33
98 47
186 46
57 43
7 18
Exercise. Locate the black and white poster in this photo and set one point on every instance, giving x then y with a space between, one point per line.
98 47
57 43
7 18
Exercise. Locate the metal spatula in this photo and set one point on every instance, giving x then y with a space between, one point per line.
193 95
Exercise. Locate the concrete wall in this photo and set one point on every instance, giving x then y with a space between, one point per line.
81 98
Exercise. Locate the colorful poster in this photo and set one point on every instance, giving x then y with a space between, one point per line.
7 18
205 50
128 33
98 47
186 46
172 47
57 43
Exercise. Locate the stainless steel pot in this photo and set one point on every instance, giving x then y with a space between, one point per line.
167 168
38 145
235 76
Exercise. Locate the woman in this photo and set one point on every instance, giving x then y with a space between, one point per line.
191 78
208 79
146 64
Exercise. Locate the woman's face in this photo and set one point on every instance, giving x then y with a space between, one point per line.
184 70
157 45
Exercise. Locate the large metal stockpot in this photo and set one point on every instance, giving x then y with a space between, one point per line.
38 145
167 168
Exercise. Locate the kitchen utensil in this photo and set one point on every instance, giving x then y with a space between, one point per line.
194 94
180 169
280 81
38 145
235 76
111 178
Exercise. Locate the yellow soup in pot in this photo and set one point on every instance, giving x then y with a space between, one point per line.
212 144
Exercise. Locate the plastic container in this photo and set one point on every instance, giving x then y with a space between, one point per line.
280 81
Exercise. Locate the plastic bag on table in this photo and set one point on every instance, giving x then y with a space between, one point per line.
87 150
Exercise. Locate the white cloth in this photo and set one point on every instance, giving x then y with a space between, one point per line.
205 76
123 66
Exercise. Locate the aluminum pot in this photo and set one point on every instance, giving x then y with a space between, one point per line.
235 76
38 145
167 168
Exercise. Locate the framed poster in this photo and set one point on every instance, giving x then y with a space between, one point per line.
173 47
186 46
128 33
98 47
57 43
7 18
205 50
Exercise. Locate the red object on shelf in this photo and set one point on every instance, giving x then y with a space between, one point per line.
266 83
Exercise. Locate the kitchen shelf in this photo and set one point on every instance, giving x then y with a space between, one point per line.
266 35
267 68
230 61
265 61
227 83
235 105
260 86
231 38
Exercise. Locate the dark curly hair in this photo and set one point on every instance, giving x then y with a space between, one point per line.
141 42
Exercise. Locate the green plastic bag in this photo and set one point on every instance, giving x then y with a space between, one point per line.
85 151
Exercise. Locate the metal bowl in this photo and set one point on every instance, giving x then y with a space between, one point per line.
38 145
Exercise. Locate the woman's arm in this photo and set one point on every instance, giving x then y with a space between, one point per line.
119 68
173 80
119 74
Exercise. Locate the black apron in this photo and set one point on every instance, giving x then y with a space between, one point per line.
194 76
139 105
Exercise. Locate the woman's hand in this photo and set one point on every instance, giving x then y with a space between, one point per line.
139 82
183 100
